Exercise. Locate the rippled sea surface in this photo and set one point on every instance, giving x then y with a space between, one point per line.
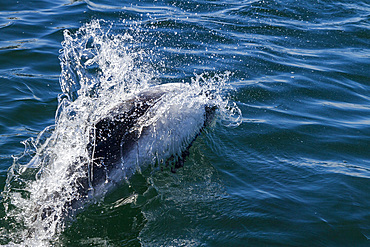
295 170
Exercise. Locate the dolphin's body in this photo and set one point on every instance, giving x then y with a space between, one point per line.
154 126
157 125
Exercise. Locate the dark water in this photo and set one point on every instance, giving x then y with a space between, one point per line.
294 172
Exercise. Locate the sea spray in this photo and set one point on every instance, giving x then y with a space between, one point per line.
99 70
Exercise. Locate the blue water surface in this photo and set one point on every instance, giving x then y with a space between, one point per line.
294 172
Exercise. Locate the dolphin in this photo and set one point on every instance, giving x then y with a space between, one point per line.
153 126
156 125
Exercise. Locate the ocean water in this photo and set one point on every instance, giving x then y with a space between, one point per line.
285 163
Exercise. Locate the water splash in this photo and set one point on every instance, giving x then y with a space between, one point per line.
99 70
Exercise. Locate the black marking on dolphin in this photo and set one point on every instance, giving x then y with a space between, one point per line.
113 135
